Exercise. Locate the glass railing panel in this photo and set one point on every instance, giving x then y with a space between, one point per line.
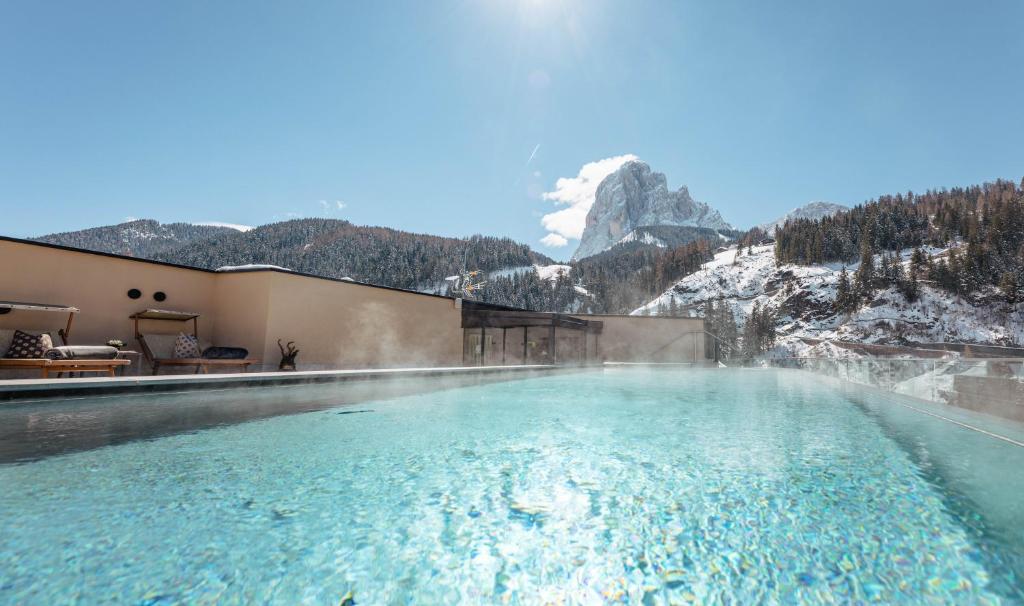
989 385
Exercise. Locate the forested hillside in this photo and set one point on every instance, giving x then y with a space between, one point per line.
614 281
337 249
945 266
982 225
141 238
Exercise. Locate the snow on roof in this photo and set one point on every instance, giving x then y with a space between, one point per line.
249 267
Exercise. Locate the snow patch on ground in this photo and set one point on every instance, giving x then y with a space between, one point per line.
510 272
551 272
235 226
545 272
644 238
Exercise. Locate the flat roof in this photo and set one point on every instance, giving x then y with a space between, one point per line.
252 269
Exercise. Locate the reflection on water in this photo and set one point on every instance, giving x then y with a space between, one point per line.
625 486
33 430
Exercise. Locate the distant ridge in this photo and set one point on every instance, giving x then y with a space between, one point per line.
324 247
138 238
813 211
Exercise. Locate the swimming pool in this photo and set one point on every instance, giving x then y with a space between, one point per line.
629 485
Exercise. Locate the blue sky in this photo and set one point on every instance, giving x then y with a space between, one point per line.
424 115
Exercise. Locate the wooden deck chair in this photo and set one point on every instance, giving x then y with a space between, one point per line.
158 349
47 366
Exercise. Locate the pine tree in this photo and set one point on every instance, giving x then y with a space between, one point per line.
751 343
911 288
846 300
864 280
727 322
1010 287
766 332
918 260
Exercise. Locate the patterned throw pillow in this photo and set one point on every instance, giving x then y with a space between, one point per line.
25 345
186 346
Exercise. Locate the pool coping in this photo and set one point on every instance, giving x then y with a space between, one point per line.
20 389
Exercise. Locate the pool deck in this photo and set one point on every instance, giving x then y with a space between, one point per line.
20 389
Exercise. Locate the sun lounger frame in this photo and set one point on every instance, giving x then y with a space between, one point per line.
47 366
202 365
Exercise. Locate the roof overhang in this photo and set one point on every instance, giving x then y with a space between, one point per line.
10 305
163 314
503 318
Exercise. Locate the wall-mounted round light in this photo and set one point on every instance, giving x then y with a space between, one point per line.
134 293
159 296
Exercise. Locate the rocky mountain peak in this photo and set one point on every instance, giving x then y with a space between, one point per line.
635 196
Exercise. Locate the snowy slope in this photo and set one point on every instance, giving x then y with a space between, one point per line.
813 211
643 238
803 295
551 272
544 272
234 226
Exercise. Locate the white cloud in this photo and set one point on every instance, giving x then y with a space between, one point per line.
577 193
554 240
330 206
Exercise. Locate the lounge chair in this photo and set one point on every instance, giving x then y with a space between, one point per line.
159 348
46 365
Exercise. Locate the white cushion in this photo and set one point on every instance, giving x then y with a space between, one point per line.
186 346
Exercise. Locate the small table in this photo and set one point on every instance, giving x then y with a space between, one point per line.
135 368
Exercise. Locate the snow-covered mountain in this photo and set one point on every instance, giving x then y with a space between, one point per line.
634 197
324 247
813 211
140 237
802 297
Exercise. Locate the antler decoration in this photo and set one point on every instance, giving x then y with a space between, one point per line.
287 357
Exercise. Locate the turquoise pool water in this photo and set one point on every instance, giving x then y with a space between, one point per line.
621 486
